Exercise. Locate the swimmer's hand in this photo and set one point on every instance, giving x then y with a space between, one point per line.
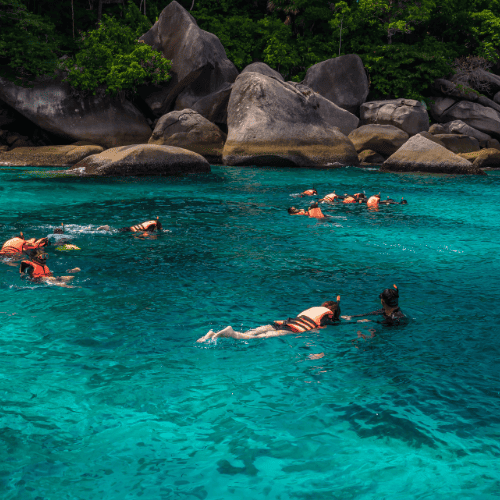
75 270
364 321
348 318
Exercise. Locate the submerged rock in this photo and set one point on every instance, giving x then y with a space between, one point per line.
407 114
342 80
277 123
189 130
384 139
200 66
48 156
142 159
420 154
50 105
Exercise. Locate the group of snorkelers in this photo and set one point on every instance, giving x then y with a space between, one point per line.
315 211
33 257
319 317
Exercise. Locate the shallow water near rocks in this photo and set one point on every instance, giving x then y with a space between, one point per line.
104 392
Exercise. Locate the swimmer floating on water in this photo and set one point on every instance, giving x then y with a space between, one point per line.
310 319
36 268
309 192
18 244
147 227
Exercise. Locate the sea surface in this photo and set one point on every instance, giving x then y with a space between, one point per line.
105 393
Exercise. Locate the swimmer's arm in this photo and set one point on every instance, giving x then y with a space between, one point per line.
348 318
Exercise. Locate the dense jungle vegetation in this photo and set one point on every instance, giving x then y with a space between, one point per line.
404 44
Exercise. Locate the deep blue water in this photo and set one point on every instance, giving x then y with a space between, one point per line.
105 394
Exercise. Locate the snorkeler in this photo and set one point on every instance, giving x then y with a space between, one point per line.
296 211
330 198
310 319
19 244
390 312
59 230
373 201
309 192
148 227
36 268
315 211
349 199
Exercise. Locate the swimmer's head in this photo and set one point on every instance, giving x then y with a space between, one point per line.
292 210
403 201
43 242
314 205
38 256
390 296
377 196
59 230
314 191
334 307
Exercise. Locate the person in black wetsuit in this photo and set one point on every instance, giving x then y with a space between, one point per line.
390 312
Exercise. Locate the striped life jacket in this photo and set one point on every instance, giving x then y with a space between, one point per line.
330 197
309 192
349 199
14 245
308 319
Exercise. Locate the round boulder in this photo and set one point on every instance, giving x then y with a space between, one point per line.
189 130
262 69
278 124
142 159
48 156
384 139
341 80
457 143
407 114
420 154
370 157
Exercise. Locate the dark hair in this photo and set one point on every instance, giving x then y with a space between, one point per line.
314 205
390 296
292 210
334 307
159 227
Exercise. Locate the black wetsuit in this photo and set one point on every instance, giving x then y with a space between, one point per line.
397 317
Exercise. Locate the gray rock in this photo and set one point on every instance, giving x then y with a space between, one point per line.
142 159
48 156
457 143
213 107
486 158
384 139
439 107
276 123
371 157
189 130
496 98
199 63
103 121
419 154
491 144
459 127
482 118
432 138
485 77
407 114
450 89
263 69
341 80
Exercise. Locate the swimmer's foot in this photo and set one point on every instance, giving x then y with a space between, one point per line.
206 337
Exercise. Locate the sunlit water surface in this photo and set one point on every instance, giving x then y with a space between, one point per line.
105 393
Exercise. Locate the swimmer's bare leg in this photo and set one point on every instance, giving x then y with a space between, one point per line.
59 281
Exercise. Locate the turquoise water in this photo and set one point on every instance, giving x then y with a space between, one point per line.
105 394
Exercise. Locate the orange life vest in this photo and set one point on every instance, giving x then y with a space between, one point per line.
349 199
14 245
308 319
330 197
39 270
315 212
309 192
372 201
145 226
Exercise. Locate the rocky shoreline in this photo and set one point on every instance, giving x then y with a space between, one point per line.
208 113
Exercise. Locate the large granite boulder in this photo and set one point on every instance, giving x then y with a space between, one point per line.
48 156
439 106
420 154
276 123
263 69
189 130
459 127
480 117
213 106
486 158
199 63
100 120
341 80
457 143
407 114
437 128
384 139
142 159
370 157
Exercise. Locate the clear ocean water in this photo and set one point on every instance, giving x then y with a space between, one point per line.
105 394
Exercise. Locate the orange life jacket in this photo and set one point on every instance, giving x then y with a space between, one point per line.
14 245
308 319
39 270
372 201
150 225
349 199
309 192
330 197
315 212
